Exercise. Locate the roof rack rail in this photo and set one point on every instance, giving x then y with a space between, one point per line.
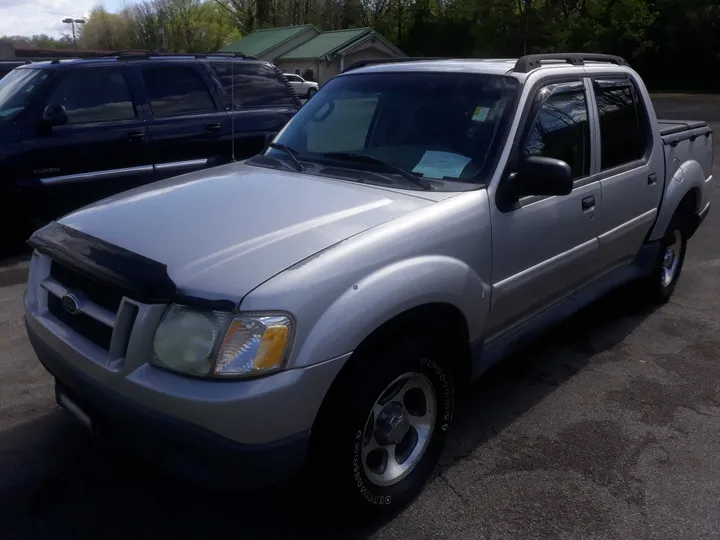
143 53
375 61
533 61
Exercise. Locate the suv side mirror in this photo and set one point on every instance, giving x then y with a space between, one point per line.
55 115
538 175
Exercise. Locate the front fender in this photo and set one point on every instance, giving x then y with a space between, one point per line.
390 291
688 176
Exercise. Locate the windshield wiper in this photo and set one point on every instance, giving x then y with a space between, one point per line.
361 158
290 152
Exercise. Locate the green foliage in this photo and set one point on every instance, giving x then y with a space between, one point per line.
675 44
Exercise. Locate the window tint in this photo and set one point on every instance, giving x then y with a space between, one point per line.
561 131
176 90
622 135
94 96
255 84
293 78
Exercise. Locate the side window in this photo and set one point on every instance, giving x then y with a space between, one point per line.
94 96
623 137
256 85
292 78
561 131
175 90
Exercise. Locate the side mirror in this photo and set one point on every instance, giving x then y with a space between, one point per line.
538 175
55 115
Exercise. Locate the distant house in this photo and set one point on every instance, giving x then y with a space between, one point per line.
314 54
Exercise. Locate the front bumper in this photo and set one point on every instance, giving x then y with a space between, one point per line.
177 444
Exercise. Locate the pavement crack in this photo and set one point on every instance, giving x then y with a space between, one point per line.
452 488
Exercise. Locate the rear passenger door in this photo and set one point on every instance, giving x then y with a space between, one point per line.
544 247
187 123
262 102
101 150
630 175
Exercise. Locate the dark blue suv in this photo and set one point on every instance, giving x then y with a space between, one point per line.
75 131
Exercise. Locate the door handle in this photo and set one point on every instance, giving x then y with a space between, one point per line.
588 203
652 179
213 128
135 136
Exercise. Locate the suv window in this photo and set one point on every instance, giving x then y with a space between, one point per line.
176 90
94 96
623 137
256 85
293 78
561 131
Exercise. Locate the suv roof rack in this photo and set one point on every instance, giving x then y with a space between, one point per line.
127 54
374 61
533 61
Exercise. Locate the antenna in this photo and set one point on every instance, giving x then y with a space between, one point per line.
232 108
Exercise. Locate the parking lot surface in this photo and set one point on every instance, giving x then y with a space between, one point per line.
607 428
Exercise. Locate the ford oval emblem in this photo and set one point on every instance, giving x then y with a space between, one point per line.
70 304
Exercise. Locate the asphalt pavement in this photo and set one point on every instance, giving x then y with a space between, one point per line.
607 428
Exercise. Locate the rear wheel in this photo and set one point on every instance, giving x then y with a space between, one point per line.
383 426
660 284
311 92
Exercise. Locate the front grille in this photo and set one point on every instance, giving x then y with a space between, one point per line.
101 294
87 327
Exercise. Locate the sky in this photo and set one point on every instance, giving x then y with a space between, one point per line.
28 17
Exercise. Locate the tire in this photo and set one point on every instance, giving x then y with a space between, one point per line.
311 92
362 419
659 285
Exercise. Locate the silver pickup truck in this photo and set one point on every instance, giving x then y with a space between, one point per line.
317 307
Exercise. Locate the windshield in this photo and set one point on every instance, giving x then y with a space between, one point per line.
16 89
443 127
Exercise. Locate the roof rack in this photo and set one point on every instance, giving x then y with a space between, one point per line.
375 61
533 61
127 54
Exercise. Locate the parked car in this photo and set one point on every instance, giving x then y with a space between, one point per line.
320 304
6 66
306 89
75 131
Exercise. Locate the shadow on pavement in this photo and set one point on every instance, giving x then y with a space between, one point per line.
98 492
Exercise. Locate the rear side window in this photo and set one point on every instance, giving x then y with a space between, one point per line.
256 85
561 131
176 90
94 96
623 136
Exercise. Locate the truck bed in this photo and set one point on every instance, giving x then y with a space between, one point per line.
671 127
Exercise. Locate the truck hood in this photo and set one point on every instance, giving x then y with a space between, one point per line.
222 232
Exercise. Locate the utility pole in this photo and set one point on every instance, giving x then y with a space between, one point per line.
73 22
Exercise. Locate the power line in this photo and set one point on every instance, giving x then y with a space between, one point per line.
35 9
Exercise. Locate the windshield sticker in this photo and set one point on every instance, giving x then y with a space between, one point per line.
441 164
480 114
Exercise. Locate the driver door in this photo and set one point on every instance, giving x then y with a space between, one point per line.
546 246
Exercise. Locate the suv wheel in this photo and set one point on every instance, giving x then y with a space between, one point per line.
311 92
383 426
661 282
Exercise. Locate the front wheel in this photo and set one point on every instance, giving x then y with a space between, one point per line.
311 92
383 426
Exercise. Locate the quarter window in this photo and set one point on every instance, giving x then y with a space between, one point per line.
255 84
175 90
561 131
94 96
623 137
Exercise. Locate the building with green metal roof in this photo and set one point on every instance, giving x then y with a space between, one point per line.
313 54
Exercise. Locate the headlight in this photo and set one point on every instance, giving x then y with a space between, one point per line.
219 344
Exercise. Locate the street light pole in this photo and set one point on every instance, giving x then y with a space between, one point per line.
72 22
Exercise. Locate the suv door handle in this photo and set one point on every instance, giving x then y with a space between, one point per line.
588 203
652 179
135 136
213 128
